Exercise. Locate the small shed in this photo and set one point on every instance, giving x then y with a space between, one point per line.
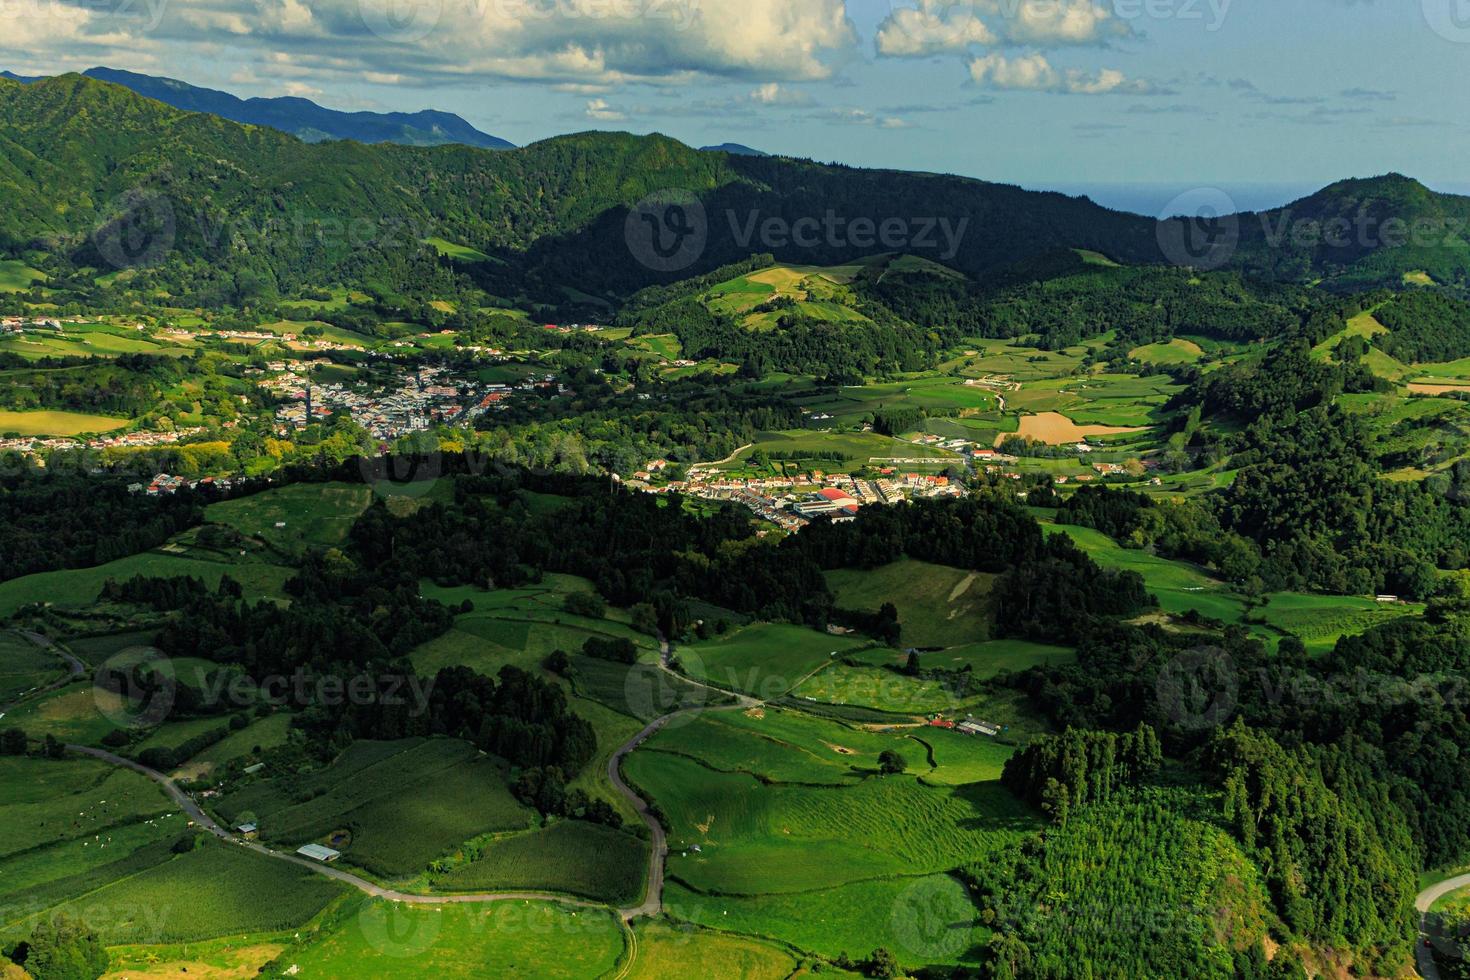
248 831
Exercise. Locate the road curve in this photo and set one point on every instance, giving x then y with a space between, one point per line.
1424 903
74 669
653 897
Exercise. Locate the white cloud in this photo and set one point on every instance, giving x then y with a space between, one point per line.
934 28
958 26
600 110
1034 73
579 42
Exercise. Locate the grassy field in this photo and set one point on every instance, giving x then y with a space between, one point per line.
16 276
24 665
403 804
77 588
758 839
763 659
937 606
44 801
314 515
1179 586
666 951
77 713
1175 351
923 921
859 449
879 688
48 423
570 857
509 939
214 890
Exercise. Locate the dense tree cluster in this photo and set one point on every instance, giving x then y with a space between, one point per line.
77 520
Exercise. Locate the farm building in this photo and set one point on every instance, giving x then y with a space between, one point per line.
318 853
248 831
972 727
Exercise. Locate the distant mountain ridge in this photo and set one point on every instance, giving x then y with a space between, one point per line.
735 149
563 217
302 118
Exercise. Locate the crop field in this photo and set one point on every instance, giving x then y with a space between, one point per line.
24 665
403 803
96 649
878 688
46 801
570 857
1319 621
666 951
311 515
937 606
783 746
506 939
763 659
924 920
76 588
1114 400
999 358
770 839
214 890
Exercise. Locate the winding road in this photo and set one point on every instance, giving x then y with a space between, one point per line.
652 903
1425 901
75 668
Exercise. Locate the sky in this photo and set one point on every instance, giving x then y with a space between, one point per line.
1142 99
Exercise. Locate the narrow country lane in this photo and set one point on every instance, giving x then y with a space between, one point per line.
1424 903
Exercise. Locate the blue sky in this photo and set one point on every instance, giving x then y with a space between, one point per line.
1067 93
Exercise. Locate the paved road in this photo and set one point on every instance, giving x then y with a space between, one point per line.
653 899
75 668
1424 903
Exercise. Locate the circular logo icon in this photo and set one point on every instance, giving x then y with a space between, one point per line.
651 691
934 919
411 474
397 930
139 231
136 688
1450 19
667 231
1200 229
1199 689
401 21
